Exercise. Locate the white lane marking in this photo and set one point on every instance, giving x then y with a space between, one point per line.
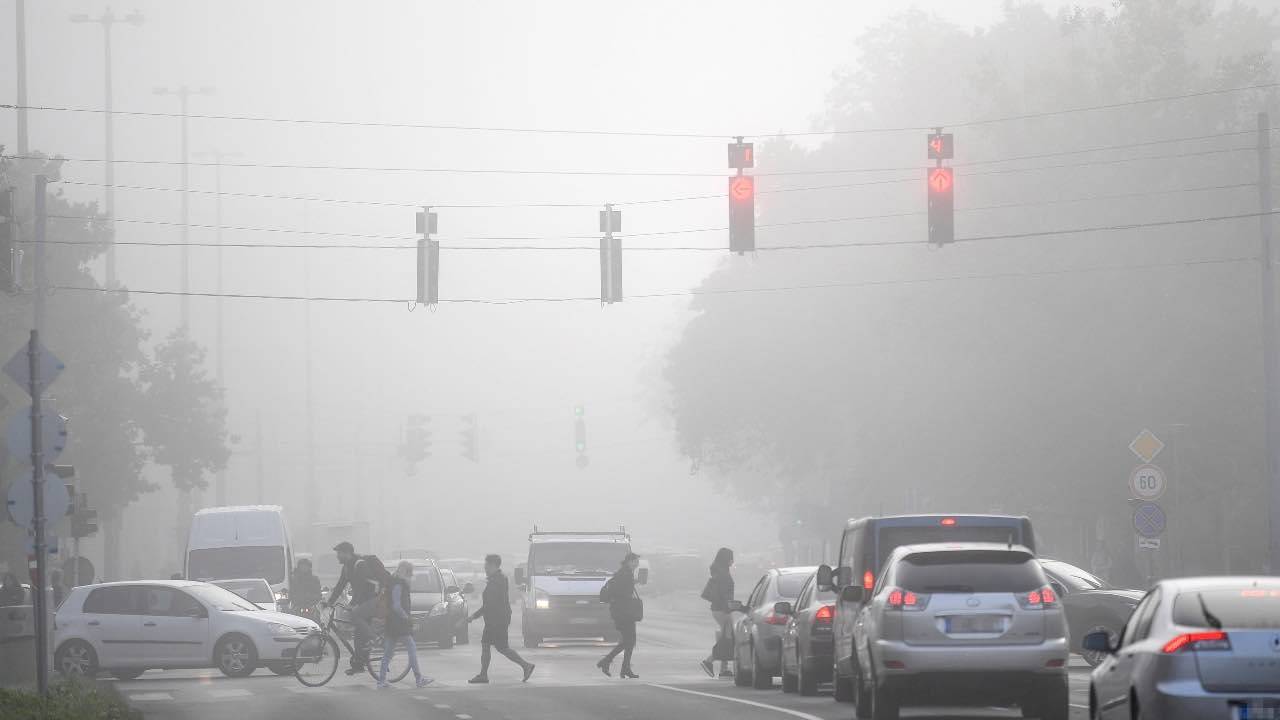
443 707
775 708
463 717
150 696
230 693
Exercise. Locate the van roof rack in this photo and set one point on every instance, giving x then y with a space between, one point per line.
620 532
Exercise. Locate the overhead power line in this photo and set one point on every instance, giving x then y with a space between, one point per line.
646 133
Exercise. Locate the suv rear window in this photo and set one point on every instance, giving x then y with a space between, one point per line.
891 538
1243 608
976 571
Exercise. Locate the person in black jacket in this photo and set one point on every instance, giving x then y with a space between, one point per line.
495 608
625 609
719 592
364 573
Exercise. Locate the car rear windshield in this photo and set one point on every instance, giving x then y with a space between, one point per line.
789 585
893 537
425 580
1239 608
237 562
970 571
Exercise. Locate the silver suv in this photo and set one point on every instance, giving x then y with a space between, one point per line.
960 624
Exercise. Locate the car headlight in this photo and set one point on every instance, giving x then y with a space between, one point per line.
541 600
280 629
439 609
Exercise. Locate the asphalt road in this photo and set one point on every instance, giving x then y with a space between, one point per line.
565 686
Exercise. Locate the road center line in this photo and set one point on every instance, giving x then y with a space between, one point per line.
775 708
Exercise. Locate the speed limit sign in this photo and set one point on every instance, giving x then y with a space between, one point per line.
1147 483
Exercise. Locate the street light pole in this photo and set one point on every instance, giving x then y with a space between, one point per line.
20 44
107 20
184 94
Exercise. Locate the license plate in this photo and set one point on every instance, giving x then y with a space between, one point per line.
580 621
985 624
1256 710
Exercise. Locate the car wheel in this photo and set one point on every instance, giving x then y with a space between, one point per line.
807 681
236 656
843 687
76 658
531 641
760 679
790 680
128 674
464 635
1094 657
884 704
741 673
861 694
446 641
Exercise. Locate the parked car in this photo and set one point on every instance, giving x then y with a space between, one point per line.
255 590
806 640
436 613
1092 605
865 545
126 628
960 624
757 630
1194 648
455 596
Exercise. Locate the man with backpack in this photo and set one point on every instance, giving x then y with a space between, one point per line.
365 574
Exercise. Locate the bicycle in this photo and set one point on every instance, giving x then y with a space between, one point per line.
315 660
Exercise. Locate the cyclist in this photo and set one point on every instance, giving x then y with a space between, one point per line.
364 573
304 586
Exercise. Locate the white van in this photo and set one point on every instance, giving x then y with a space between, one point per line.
248 541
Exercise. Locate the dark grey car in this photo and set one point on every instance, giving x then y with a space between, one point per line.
757 630
806 641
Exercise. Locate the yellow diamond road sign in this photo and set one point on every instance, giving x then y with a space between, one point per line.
1146 446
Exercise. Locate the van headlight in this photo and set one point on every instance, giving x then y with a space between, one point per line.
541 600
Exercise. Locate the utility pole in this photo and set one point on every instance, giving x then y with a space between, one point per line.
310 492
220 493
184 94
106 20
37 451
260 475
41 223
20 32
1269 351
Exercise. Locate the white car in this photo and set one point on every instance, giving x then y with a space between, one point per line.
126 628
255 590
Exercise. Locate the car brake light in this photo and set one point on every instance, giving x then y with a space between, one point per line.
824 614
906 600
868 580
775 619
947 521
1044 597
1212 640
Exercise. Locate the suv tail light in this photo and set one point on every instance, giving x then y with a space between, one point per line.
1045 597
906 600
825 614
1213 640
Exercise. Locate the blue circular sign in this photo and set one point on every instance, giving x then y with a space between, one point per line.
1149 520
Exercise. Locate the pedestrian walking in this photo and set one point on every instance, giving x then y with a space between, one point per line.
399 627
364 573
626 608
495 608
719 592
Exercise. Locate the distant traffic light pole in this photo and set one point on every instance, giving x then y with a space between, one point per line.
742 198
941 186
610 256
107 20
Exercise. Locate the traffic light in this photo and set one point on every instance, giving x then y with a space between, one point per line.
742 214
471 438
580 435
942 146
610 256
417 441
8 240
941 181
428 259
83 518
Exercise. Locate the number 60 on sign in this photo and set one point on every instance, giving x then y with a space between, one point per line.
1147 483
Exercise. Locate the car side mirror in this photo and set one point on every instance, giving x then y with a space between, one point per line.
782 607
468 589
844 576
824 577
1099 641
642 576
519 575
452 590
853 594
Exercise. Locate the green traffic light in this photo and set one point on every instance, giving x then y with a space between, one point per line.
577 410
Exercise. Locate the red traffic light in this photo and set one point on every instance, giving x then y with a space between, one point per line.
742 188
940 180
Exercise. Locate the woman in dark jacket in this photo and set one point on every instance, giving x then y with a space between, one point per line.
626 609
719 592
399 628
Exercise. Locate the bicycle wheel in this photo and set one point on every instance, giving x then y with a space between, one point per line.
397 668
316 660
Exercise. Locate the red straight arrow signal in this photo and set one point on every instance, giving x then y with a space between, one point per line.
940 179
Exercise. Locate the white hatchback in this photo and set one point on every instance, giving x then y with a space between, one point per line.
126 628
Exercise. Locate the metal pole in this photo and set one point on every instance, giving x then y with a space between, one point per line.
42 183
261 476
185 312
220 494
109 118
1269 353
37 489
20 43
311 492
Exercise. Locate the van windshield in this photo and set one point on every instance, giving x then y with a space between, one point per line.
576 558
227 563
893 537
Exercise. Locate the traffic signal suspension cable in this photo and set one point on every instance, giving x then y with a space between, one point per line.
653 134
